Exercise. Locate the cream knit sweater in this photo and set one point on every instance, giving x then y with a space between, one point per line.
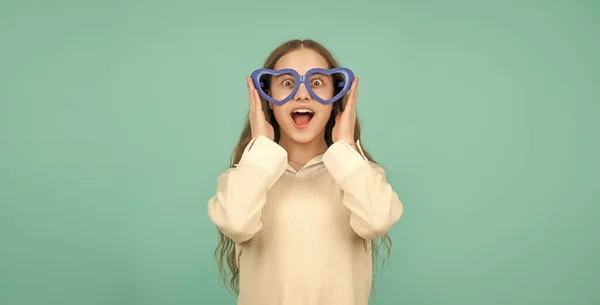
303 237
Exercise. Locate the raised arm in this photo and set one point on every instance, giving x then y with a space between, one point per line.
374 205
236 208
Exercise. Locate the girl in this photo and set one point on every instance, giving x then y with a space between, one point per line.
302 206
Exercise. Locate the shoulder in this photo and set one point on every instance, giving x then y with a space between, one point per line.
377 168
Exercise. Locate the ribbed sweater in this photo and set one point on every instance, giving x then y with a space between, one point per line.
303 237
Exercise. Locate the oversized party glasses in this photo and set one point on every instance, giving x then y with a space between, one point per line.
324 85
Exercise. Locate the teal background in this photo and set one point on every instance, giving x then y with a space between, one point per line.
117 116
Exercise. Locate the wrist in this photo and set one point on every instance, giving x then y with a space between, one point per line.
347 140
351 143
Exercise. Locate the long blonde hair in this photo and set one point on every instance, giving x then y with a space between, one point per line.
225 251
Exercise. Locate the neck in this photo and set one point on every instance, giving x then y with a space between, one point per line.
301 153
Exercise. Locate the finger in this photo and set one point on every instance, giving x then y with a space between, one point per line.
258 103
355 96
354 83
352 96
250 94
355 91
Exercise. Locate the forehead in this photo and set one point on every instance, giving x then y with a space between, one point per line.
301 60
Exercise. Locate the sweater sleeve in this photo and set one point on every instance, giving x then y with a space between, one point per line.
241 193
374 205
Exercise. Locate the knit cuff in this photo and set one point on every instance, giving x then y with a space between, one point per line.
341 159
268 155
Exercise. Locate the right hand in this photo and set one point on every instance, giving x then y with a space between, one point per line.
258 122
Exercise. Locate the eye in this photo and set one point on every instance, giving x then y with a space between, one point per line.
288 83
317 82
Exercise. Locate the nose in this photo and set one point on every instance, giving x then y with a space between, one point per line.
302 93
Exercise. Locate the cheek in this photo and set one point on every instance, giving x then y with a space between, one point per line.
279 94
325 113
325 92
280 113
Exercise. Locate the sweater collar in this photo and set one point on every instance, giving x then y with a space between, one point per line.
312 168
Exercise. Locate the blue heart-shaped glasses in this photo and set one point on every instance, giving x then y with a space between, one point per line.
341 83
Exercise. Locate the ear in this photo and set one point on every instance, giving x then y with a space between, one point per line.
343 104
269 94
337 118
338 106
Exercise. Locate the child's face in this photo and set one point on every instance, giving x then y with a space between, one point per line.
295 125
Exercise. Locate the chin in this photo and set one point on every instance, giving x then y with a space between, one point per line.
301 138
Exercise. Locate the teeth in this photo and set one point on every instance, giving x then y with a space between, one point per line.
303 111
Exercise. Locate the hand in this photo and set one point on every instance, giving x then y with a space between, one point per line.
258 122
345 120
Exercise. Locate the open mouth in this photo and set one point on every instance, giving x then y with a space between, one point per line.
302 117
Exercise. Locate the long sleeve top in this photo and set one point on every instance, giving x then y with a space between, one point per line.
303 237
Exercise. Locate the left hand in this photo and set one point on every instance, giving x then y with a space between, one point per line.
345 120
